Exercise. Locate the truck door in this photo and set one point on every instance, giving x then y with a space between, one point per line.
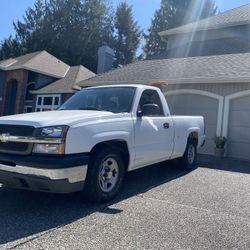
154 132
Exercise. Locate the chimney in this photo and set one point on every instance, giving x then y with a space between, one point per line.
106 58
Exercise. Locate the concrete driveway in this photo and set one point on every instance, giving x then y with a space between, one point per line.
160 207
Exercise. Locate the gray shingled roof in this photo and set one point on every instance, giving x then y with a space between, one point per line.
237 16
68 84
40 62
207 69
17 61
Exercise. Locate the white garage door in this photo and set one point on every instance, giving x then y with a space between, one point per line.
239 128
191 104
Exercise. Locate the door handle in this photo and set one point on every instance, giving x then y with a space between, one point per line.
166 125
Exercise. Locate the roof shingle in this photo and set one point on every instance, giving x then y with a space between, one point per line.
237 16
40 62
219 68
68 84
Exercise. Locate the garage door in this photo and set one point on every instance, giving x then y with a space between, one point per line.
239 128
191 104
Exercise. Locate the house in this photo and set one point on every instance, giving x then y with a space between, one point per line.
207 67
37 81
53 95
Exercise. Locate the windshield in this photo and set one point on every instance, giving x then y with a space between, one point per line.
112 99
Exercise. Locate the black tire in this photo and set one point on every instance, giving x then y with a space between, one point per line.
189 161
93 189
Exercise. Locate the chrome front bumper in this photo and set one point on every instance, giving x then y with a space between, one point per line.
50 174
54 181
72 175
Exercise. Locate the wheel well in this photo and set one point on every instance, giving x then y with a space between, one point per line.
120 145
193 137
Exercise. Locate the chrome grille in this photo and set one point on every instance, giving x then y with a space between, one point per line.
16 147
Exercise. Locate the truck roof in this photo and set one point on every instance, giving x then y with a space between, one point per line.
138 86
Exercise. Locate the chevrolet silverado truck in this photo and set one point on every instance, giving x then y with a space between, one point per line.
92 140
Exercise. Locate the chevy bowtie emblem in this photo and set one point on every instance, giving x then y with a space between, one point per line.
4 137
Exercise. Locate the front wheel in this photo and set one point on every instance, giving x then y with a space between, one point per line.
189 159
105 175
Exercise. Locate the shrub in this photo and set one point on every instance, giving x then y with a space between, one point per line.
220 141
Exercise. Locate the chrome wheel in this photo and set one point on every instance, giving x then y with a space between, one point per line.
191 154
108 174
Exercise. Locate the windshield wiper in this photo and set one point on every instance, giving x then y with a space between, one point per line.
87 108
90 108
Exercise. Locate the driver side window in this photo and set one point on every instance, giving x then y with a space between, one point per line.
151 97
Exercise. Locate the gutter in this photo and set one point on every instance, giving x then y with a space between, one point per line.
36 92
194 29
172 81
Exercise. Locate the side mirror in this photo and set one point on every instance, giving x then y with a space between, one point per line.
149 110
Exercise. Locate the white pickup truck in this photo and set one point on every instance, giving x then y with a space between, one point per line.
94 139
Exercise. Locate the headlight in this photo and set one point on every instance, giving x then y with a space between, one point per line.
55 149
50 132
55 131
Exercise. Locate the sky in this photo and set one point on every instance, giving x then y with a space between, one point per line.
12 10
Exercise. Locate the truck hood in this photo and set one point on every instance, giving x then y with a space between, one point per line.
51 118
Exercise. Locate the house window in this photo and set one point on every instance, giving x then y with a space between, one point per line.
28 109
29 96
47 102
151 97
12 97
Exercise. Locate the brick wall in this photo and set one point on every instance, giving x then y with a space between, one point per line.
22 78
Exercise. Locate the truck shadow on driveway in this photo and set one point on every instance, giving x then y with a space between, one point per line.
24 214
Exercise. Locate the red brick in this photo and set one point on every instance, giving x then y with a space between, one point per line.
22 78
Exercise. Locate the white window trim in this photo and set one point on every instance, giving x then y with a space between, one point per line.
50 107
203 93
228 98
25 108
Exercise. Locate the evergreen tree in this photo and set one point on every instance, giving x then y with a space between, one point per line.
71 30
10 48
174 13
98 29
128 35
29 33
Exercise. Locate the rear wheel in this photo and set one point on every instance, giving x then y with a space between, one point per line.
105 175
189 159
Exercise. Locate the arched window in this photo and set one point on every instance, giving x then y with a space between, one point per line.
28 95
11 97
